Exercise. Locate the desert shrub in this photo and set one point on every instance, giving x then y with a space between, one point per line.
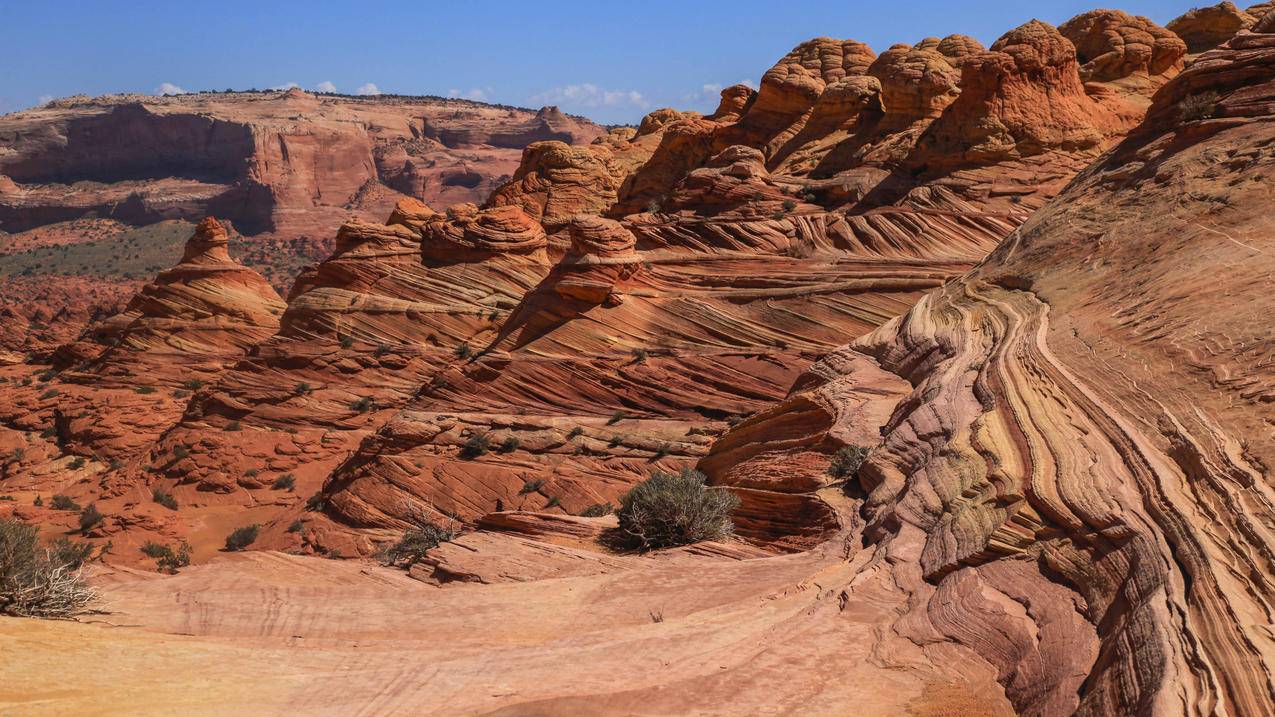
346 342
477 445
40 582
90 517
173 560
76 463
577 431
464 351
663 450
531 486
251 472
597 510
553 502
241 538
670 509
64 502
151 549
363 405
1200 106
315 502
296 526
302 388
233 426
144 390
51 393
49 432
181 393
789 205
639 355
193 384
509 445
8 498
654 206
617 417
165 499
415 543
166 559
284 482
846 461
181 451
71 553
616 440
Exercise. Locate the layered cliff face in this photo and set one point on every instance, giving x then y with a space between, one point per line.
286 169
276 161
1081 429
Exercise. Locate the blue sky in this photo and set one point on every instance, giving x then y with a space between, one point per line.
610 61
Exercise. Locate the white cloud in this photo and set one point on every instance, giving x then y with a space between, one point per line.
285 86
748 83
368 89
589 95
44 100
325 86
168 88
476 94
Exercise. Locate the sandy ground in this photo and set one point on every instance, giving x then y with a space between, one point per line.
272 634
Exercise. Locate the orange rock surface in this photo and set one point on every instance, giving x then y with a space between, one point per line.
1029 280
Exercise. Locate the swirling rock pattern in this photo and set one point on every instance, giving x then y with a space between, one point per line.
1083 438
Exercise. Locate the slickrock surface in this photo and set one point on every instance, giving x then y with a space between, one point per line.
1078 481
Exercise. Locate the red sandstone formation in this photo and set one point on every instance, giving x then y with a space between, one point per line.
1204 28
285 162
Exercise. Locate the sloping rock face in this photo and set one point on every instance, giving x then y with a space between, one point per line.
1084 430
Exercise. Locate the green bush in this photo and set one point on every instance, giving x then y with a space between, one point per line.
464 351
242 537
639 356
76 463
415 543
597 510
363 405
553 502
64 502
165 499
40 582
531 486
510 444
181 451
577 431
296 526
145 390
316 502
477 445
302 388
669 509
168 560
617 417
193 384
1200 106
789 205
284 482
846 461
90 517
172 561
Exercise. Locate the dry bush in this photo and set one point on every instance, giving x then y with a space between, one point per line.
40 582
669 509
